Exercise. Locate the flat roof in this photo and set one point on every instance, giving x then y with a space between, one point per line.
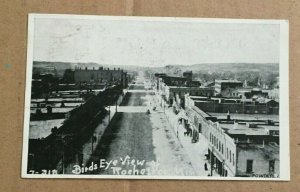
239 116
41 129
243 129
58 99
270 148
227 81
198 97
54 109
186 87
201 101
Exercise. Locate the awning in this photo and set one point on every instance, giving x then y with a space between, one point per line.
182 115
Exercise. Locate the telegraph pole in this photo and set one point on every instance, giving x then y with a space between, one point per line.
109 114
116 105
211 161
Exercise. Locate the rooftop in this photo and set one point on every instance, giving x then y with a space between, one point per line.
243 129
227 81
249 117
57 100
41 129
268 149
185 87
54 109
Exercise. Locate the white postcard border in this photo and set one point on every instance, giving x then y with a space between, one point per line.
284 94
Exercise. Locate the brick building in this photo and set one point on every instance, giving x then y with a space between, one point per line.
235 105
100 75
224 87
238 147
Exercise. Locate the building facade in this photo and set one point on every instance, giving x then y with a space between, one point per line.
237 148
224 87
100 75
235 105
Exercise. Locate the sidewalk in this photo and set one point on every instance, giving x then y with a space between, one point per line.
90 145
196 151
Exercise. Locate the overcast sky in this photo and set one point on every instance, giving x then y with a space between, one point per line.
154 43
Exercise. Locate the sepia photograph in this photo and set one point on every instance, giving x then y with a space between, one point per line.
156 98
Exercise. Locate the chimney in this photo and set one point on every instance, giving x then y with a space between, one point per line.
235 125
228 116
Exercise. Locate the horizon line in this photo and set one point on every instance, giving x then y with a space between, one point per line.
253 63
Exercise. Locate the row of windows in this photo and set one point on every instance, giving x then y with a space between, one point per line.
249 166
220 147
193 93
235 94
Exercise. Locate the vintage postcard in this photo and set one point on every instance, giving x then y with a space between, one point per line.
156 98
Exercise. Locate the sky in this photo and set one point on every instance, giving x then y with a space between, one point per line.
153 43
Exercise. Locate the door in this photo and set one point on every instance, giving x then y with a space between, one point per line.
200 128
249 166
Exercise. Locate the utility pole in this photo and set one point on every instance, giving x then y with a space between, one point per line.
109 114
94 139
211 161
92 144
116 106
177 127
61 137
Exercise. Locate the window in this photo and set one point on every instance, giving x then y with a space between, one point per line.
249 168
230 156
222 149
271 165
227 154
214 141
219 145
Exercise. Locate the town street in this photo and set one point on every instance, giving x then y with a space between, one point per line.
133 134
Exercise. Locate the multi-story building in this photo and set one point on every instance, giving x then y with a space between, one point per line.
247 93
100 75
173 88
238 147
224 87
235 105
175 93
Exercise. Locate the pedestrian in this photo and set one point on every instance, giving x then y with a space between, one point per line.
205 167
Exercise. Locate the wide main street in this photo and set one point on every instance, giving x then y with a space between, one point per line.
145 140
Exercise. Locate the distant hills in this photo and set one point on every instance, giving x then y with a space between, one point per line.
169 69
60 67
224 67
